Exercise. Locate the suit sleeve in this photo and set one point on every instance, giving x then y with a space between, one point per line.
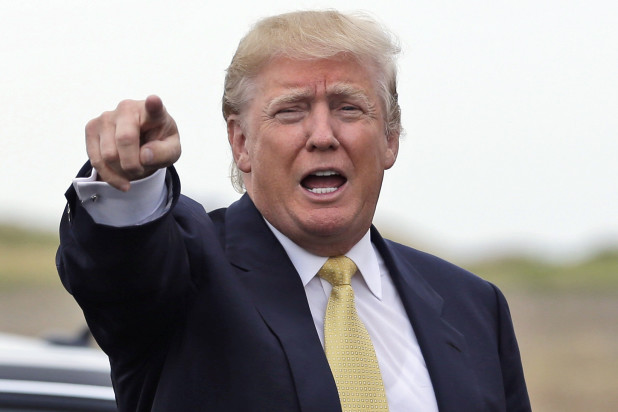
132 283
516 393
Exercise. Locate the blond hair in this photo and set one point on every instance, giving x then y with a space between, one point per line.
308 35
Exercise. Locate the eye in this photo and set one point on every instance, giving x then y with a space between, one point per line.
290 114
349 111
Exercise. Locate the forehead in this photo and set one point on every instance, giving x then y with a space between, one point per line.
332 76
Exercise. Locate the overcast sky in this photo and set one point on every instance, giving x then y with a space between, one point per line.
510 108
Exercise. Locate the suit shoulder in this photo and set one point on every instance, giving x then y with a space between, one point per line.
192 215
424 259
186 207
465 295
441 274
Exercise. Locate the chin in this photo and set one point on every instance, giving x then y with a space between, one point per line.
323 225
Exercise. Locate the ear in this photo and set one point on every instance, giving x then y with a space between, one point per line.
392 149
238 142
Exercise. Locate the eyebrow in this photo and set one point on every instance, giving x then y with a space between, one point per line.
348 90
340 89
291 96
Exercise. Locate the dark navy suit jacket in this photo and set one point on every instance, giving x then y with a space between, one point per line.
205 312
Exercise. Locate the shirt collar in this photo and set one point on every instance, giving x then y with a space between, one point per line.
307 264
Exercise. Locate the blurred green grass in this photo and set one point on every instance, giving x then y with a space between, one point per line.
596 274
27 257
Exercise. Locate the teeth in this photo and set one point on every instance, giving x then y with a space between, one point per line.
326 173
322 190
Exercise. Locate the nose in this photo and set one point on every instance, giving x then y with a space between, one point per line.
321 133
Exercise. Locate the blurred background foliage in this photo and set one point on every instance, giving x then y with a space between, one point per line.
27 257
565 314
596 274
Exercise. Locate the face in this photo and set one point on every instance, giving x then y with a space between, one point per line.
313 149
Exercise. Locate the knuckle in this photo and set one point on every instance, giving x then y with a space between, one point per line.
96 162
127 107
127 138
130 164
92 127
105 117
126 104
109 155
98 124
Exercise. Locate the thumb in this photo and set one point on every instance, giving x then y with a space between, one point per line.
157 154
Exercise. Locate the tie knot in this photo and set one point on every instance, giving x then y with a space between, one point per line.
338 270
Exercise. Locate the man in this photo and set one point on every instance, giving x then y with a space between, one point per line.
225 311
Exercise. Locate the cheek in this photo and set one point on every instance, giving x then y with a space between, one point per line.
272 164
370 156
279 151
370 165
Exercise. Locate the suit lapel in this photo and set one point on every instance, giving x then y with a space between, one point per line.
443 347
280 298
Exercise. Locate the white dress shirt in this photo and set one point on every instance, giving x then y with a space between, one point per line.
404 372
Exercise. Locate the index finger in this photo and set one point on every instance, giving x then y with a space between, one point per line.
154 113
128 139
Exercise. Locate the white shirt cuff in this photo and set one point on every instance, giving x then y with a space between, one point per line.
145 201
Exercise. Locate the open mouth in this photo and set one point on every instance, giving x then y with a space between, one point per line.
324 181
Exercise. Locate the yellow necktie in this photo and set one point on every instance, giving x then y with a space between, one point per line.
347 344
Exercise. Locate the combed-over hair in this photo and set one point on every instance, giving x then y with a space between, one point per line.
309 35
